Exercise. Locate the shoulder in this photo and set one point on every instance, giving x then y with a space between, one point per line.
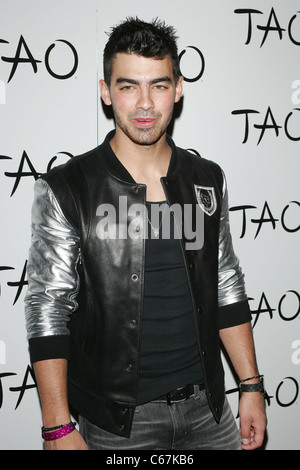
70 180
72 166
197 160
208 169
68 183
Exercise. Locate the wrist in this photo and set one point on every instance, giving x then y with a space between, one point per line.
252 384
54 417
56 432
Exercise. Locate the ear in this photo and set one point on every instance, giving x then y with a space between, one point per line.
104 90
178 89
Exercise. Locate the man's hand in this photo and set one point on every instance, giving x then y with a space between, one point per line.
253 420
73 441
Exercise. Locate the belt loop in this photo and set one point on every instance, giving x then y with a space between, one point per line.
168 399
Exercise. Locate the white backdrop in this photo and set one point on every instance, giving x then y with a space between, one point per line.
240 108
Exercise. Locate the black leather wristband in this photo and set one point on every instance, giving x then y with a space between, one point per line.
258 387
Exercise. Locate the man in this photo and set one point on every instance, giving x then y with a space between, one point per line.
123 321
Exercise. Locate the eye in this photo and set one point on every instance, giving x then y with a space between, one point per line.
160 87
127 88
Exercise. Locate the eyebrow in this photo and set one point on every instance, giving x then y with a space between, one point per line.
136 82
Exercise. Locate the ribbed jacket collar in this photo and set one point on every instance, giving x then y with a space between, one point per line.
117 169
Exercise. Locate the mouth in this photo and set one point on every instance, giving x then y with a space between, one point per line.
144 122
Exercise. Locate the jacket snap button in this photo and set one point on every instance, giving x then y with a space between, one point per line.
129 367
133 322
134 277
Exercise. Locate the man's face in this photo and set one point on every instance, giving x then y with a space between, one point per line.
142 93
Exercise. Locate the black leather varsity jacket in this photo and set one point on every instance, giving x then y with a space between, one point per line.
85 293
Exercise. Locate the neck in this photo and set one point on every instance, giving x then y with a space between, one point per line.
146 163
142 159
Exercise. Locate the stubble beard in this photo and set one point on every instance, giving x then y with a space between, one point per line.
143 136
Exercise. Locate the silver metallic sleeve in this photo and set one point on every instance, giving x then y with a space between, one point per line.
51 270
231 278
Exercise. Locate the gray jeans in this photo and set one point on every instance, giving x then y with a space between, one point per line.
185 425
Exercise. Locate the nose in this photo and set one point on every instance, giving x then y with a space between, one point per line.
145 100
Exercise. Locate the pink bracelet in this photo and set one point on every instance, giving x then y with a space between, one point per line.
58 433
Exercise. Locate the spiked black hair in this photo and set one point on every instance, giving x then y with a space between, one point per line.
134 36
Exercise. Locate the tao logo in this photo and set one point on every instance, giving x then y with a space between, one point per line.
29 59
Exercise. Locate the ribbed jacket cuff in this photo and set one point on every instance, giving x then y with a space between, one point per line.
49 347
234 314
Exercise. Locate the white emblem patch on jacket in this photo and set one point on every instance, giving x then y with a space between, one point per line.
206 198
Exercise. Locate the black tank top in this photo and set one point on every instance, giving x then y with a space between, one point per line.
169 350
